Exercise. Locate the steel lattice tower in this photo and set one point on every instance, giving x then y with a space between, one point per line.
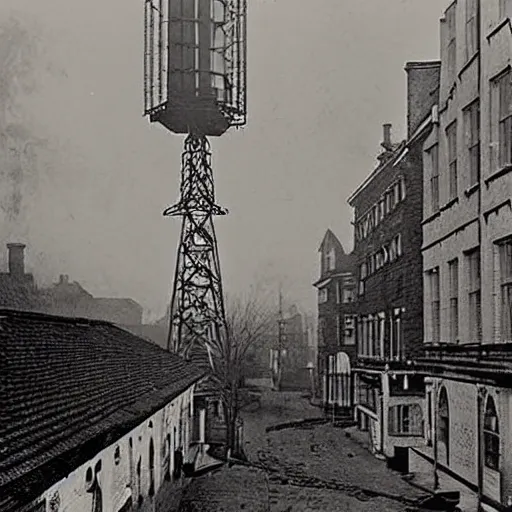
197 319
195 73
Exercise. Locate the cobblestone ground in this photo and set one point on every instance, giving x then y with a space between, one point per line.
304 469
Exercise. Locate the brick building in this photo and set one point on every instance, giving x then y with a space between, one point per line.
467 254
336 322
93 418
387 247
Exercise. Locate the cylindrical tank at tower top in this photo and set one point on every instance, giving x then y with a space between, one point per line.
195 64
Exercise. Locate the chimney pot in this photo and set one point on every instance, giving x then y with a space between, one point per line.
16 259
386 128
63 279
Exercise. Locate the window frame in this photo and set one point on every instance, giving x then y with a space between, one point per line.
435 304
443 421
491 436
451 46
474 284
451 142
433 153
453 296
472 32
472 132
502 120
400 421
505 285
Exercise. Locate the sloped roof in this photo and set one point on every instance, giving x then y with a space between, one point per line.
331 237
71 387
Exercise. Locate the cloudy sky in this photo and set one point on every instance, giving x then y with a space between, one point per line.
323 77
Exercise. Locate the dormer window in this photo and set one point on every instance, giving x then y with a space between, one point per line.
330 260
322 295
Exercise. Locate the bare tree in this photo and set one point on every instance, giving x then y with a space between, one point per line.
249 320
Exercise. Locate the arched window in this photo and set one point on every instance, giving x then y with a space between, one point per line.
443 426
151 468
491 436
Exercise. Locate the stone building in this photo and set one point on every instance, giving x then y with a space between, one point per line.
93 418
336 323
467 255
387 247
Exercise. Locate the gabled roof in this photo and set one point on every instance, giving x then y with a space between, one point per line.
393 155
71 387
330 237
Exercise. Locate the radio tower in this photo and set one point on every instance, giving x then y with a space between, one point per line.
195 84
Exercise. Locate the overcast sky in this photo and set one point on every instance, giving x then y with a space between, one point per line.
324 75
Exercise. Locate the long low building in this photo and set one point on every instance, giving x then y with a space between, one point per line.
92 417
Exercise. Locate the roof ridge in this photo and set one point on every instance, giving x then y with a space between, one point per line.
37 315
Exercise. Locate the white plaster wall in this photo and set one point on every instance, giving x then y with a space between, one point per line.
116 480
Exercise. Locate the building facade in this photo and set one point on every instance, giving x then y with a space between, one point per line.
467 254
93 418
388 239
336 323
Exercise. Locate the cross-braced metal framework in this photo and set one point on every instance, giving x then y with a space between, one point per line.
197 321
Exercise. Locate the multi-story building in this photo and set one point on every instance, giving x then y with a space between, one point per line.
387 247
467 254
336 323
289 351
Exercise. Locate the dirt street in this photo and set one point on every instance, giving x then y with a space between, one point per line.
312 468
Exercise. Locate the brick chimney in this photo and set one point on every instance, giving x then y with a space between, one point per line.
386 136
422 91
16 259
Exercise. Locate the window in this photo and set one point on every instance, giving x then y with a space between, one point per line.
395 248
435 305
151 491
323 295
472 136
453 290
451 48
475 318
471 28
348 296
392 198
451 136
348 335
443 426
396 335
382 334
363 272
330 260
117 456
338 330
405 420
434 178
401 188
167 458
505 249
503 103
491 436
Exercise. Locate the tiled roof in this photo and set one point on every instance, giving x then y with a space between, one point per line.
71 387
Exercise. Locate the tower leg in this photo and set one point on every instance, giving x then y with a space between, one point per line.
197 323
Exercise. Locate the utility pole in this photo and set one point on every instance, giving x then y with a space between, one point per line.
280 340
